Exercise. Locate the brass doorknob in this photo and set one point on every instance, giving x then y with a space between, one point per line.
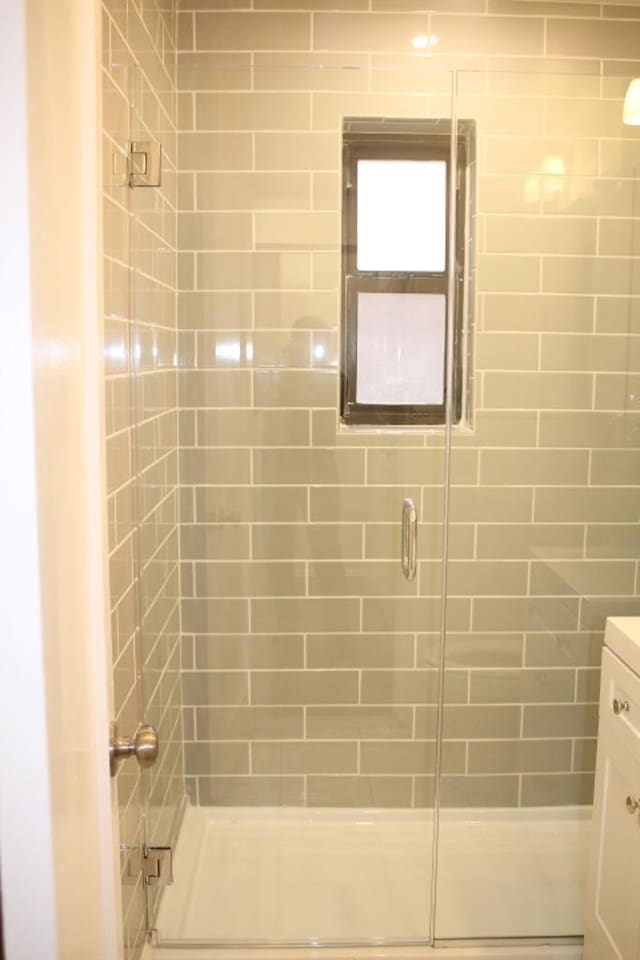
143 745
632 804
620 706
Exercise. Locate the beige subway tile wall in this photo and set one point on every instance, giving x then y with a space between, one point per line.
310 665
139 68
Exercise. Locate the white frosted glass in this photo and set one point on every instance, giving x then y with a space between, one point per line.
402 215
400 348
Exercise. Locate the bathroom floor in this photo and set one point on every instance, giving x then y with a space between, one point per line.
308 875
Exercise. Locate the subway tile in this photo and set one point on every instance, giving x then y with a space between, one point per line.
494 35
478 790
296 231
309 614
293 388
204 688
584 352
360 650
587 505
363 32
560 235
211 71
359 723
221 466
562 650
252 428
252 31
608 577
506 351
474 578
207 615
538 312
300 310
519 756
304 757
488 503
199 310
359 503
595 610
534 468
523 613
383 541
215 151
306 541
252 111
415 757
358 578
617 392
411 686
586 429
539 391
311 71
250 504
527 541
560 720
308 687
413 613
486 721
253 192
245 271
249 723
613 540
560 789
297 151
508 273
216 758
522 686
214 388
214 542
360 791
251 791
252 652
584 38
616 467
250 579
291 466
215 231
584 755
469 650
419 466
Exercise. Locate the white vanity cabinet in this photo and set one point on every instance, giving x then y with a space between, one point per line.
612 921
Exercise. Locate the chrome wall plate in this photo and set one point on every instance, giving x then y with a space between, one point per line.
145 163
157 866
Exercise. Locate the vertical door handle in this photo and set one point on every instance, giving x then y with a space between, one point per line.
409 555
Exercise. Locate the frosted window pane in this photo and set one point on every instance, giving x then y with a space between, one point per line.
400 348
401 215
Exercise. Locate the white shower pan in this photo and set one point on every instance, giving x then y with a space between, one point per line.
270 877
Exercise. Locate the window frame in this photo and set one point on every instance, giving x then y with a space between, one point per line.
391 139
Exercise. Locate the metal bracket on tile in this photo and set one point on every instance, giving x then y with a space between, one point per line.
144 163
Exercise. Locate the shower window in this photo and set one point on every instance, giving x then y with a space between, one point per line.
396 270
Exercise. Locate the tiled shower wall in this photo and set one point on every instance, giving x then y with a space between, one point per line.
139 102
310 664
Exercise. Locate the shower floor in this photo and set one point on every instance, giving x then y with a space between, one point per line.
318 876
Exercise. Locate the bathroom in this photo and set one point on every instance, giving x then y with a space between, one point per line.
370 643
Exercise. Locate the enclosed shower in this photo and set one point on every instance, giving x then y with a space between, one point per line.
369 758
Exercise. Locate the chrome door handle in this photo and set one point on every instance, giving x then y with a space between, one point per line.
409 551
143 745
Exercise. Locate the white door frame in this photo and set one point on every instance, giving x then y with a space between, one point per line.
57 833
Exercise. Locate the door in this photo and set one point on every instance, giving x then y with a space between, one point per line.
56 829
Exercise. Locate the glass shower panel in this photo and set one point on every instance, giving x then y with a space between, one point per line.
544 536
309 678
153 264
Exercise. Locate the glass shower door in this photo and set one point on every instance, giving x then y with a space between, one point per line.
553 509
309 664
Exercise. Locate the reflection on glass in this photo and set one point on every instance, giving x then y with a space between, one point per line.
401 215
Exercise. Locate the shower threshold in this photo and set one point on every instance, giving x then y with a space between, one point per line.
300 877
